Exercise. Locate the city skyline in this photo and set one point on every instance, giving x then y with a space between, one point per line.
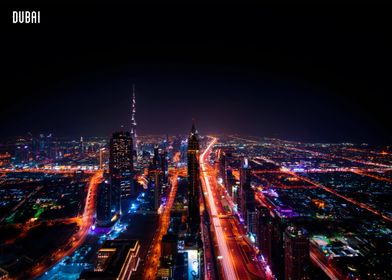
143 143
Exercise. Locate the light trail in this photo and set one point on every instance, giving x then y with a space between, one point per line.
85 222
370 166
363 173
319 154
69 170
226 263
325 268
152 263
351 200
324 155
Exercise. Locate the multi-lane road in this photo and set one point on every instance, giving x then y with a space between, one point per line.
154 253
233 251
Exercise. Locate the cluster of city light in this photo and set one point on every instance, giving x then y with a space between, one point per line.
227 266
85 222
153 261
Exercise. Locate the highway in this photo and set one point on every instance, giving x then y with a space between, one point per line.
328 270
152 261
68 170
234 260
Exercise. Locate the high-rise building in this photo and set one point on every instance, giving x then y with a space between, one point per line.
106 210
252 223
244 177
247 200
235 194
229 181
155 180
81 146
264 232
117 259
164 167
226 160
102 157
277 235
42 144
133 121
193 181
296 253
183 151
121 165
156 158
21 151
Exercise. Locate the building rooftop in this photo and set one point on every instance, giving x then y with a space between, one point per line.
112 258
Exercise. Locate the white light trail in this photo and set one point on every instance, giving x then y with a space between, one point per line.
225 260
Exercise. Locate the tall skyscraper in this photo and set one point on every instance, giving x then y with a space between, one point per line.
245 174
81 146
193 181
155 181
121 165
247 201
156 158
164 167
296 253
264 232
251 222
105 213
229 181
226 171
21 150
102 152
133 120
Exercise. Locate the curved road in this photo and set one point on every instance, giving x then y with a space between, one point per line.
78 238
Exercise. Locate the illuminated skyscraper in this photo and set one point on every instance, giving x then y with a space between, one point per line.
155 183
244 180
102 153
21 151
264 232
296 253
193 180
81 146
251 222
247 201
105 213
226 171
245 172
121 165
133 120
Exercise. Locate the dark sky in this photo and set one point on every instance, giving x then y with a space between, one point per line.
322 75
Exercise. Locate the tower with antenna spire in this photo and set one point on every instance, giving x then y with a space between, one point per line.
133 119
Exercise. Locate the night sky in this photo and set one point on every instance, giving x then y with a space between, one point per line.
313 76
